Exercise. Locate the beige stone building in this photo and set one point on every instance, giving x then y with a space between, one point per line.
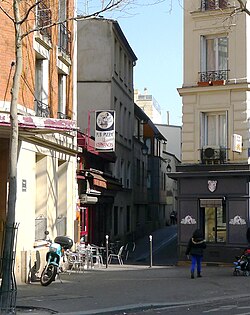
149 105
213 181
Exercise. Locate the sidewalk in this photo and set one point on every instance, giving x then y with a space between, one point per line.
103 290
117 289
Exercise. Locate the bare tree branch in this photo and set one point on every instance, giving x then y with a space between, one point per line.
243 7
7 14
28 11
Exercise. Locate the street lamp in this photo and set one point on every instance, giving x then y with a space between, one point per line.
169 168
144 149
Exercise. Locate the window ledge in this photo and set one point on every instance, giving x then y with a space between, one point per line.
43 40
64 58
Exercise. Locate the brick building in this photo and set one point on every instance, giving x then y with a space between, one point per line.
47 123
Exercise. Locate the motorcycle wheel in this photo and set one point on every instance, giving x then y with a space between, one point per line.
48 275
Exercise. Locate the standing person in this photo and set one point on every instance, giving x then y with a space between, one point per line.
172 217
195 248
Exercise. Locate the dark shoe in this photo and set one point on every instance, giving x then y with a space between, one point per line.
199 275
192 275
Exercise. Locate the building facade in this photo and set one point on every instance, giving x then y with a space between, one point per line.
47 150
105 82
149 105
213 181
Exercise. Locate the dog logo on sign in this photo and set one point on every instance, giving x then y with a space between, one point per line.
212 185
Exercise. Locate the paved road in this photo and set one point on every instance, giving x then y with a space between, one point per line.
136 288
103 292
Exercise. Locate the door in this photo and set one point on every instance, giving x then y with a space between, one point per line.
213 220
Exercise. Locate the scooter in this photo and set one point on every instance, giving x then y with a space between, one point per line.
53 258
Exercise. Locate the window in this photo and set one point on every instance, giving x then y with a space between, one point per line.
148 179
41 88
122 172
128 174
138 171
213 218
137 128
43 18
214 129
214 56
128 218
214 4
61 96
64 36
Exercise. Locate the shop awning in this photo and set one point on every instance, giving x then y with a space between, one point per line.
103 180
39 124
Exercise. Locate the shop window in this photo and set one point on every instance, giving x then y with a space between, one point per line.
213 220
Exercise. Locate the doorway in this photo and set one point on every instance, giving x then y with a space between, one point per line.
213 220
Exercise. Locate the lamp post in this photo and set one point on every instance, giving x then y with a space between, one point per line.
144 149
107 249
168 168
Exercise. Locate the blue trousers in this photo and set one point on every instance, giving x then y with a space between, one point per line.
196 260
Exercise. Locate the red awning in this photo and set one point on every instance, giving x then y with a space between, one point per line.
42 124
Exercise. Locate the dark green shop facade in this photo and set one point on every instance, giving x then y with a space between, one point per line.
214 198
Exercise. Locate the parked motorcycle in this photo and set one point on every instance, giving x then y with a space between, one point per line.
53 258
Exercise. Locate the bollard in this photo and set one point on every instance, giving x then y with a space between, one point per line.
150 251
107 250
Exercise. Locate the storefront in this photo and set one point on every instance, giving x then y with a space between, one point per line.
214 198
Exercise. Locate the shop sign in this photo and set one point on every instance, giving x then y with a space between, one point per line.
105 131
236 143
237 220
188 220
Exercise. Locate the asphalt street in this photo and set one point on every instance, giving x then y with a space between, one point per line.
136 288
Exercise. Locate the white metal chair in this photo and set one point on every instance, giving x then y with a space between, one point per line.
117 256
75 261
97 256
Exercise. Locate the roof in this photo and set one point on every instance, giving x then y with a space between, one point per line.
150 128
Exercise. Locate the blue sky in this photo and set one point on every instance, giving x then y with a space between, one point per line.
156 35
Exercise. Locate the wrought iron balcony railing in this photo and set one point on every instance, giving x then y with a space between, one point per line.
42 109
43 19
213 75
64 39
214 4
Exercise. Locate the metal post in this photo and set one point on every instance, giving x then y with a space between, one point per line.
151 250
107 250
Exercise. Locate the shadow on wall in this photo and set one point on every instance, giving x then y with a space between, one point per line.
34 267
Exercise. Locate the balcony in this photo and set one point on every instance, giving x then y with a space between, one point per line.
64 40
218 77
214 4
43 19
42 109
